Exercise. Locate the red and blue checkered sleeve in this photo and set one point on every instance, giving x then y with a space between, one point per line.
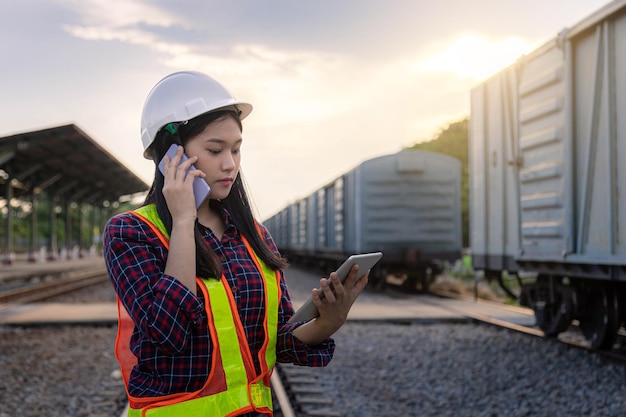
289 348
162 308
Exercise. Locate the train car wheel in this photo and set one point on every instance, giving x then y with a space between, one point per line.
552 304
553 318
417 281
378 279
601 318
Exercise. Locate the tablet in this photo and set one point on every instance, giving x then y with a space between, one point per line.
365 261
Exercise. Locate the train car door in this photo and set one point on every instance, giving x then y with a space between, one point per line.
493 159
545 153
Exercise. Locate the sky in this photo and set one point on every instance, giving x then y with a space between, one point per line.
333 82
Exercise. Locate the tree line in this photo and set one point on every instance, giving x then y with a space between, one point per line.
453 140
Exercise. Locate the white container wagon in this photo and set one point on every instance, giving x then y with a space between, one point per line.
406 205
547 178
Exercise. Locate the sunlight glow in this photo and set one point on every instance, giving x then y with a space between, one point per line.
475 57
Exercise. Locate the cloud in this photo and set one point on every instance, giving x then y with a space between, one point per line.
297 86
332 83
104 13
131 22
276 77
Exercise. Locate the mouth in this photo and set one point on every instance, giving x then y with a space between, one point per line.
225 181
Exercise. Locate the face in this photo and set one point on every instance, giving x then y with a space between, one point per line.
219 156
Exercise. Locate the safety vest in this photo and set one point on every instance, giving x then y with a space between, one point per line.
232 387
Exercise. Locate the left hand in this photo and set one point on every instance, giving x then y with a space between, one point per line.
338 298
333 307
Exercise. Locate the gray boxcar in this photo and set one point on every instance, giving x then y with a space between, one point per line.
407 205
547 136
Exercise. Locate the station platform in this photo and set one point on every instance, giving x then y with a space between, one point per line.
417 309
21 268
34 314
370 306
106 313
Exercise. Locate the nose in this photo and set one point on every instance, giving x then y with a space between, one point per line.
228 162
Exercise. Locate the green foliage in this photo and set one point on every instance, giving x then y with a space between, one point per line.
453 141
86 222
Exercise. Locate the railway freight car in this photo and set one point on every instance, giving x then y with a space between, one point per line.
406 205
547 178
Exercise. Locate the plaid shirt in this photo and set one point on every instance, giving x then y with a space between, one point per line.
171 338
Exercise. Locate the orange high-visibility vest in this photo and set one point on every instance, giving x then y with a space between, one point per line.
232 387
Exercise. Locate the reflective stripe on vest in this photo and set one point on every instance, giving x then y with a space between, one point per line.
241 390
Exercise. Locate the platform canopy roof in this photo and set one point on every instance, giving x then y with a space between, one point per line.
66 162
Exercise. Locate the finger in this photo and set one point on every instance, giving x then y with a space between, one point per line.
183 167
183 174
326 290
337 287
362 282
315 295
166 164
188 163
177 157
352 276
170 163
191 175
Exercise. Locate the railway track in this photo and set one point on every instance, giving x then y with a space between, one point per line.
298 391
301 391
307 395
27 292
571 337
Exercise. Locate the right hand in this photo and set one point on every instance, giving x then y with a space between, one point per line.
178 186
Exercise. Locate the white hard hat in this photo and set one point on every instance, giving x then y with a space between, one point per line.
181 96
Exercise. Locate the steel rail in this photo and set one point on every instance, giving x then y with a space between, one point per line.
279 392
37 292
564 338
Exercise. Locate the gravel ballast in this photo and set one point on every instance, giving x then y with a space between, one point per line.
59 371
468 370
379 369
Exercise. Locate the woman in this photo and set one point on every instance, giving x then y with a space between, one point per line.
202 300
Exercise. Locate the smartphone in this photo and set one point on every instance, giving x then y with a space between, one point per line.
365 261
201 189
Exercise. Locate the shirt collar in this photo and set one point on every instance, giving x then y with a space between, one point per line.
230 230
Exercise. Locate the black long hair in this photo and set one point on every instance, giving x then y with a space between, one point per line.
237 204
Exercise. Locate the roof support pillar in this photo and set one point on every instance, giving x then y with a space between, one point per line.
99 220
68 228
8 256
32 242
52 235
92 228
81 243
